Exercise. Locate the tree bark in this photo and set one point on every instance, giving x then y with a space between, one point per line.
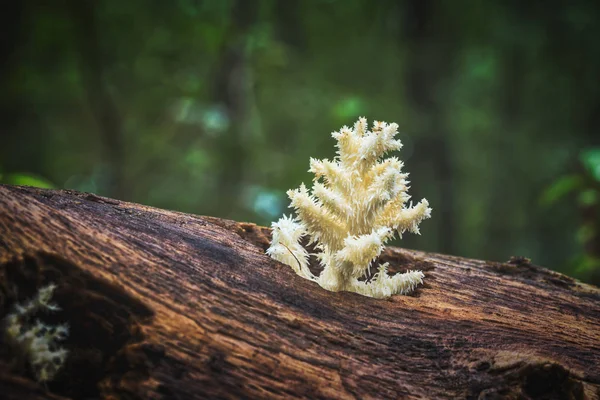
166 305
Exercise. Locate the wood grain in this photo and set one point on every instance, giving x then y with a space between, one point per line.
166 305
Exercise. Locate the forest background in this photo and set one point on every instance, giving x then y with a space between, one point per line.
214 108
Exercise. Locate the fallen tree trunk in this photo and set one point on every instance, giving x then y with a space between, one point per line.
166 305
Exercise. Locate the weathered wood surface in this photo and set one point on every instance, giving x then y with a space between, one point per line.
165 305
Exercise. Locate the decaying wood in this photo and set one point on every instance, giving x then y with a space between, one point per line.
165 305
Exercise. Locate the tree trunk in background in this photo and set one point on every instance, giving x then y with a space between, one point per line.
233 86
19 120
102 105
11 19
424 83
288 26
166 305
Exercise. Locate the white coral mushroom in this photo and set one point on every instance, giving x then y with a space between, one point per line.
359 205
37 341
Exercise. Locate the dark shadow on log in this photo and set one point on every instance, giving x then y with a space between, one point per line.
107 355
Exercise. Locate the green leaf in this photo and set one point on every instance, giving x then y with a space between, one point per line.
28 180
560 188
349 107
586 264
588 197
590 159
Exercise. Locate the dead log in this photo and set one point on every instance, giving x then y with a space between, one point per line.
166 305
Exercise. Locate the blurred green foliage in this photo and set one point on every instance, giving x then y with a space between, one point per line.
583 190
26 180
214 107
